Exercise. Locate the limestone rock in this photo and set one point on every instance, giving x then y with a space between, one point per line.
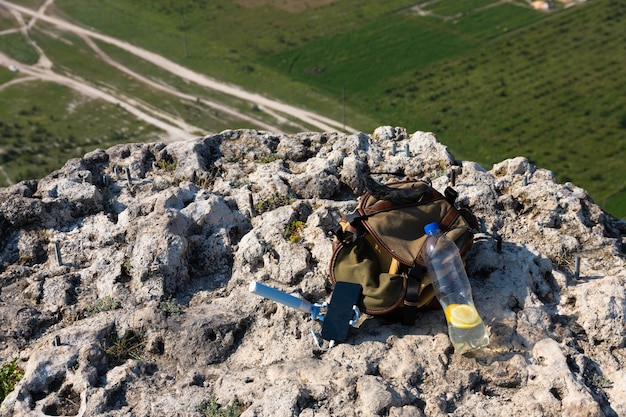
124 285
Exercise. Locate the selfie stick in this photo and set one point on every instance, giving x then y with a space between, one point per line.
289 300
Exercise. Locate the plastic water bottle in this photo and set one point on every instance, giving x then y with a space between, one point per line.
452 288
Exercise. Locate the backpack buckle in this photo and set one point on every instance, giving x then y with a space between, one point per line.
416 272
451 195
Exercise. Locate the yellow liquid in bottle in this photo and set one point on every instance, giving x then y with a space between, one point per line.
463 316
466 329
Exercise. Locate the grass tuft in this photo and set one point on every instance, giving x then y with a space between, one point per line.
293 231
213 409
102 304
10 375
274 202
129 346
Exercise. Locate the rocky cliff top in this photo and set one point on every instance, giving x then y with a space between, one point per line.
125 285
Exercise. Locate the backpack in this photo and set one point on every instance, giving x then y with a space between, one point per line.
381 245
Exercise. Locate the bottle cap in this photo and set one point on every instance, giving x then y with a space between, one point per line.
431 228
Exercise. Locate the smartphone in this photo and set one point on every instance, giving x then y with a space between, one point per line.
336 324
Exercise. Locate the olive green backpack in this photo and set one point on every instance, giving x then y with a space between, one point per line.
381 245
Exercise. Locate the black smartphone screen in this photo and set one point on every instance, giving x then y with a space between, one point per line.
336 323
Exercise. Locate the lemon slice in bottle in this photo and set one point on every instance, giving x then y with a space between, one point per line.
462 316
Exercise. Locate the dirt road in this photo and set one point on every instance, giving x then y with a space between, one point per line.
173 127
171 90
307 117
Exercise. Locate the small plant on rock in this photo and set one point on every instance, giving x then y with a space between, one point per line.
129 346
595 380
238 183
167 165
207 181
267 158
10 375
293 231
102 304
272 203
170 307
213 409
127 268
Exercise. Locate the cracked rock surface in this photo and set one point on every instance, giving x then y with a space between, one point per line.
124 285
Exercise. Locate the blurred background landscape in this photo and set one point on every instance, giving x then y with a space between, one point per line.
493 79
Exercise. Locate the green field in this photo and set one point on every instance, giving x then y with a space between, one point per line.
492 80
15 46
43 134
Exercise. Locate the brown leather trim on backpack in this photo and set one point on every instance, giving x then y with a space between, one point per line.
449 219
470 218
384 205
377 207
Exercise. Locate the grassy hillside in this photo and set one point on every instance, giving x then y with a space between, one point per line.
60 124
491 80
552 90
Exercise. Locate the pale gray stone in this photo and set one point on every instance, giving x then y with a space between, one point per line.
174 251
